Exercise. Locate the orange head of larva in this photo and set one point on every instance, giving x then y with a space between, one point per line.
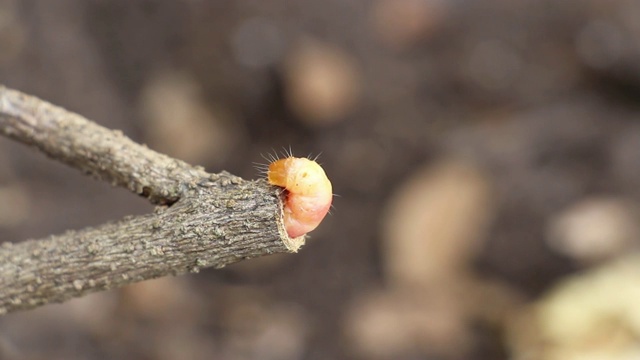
300 176
309 193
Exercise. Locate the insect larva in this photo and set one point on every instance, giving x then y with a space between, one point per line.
309 193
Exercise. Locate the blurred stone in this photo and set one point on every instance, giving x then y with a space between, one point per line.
626 157
543 157
12 32
83 312
387 325
92 314
433 321
435 223
494 65
592 316
402 23
8 351
163 298
179 122
257 328
16 208
7 171
595 229
180 342
600 44
258 43
322 83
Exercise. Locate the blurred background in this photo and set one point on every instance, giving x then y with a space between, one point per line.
486 154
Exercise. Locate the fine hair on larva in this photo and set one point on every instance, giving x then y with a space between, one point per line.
307 192
274 156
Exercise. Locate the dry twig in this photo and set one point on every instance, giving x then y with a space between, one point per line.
203 220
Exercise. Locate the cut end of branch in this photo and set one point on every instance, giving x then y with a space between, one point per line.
292 244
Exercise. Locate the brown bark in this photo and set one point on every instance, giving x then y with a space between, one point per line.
205 220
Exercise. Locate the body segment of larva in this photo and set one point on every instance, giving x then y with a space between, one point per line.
309 193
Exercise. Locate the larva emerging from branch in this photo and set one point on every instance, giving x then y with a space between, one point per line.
308 192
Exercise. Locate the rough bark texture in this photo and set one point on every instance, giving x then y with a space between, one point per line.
105 154
214 219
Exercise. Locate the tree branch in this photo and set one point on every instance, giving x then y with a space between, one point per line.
214 219
102 153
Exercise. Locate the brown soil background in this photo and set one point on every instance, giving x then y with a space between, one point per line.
517 110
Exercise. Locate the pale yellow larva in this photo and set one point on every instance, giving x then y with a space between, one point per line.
309 193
